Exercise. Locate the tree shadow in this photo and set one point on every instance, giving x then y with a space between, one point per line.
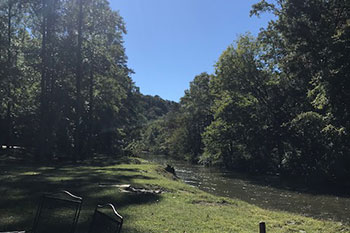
293 184
22 186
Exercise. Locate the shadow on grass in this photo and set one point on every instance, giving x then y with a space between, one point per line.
23 184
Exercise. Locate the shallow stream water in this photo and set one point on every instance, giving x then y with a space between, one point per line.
269 192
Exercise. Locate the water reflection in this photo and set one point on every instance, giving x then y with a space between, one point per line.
266 192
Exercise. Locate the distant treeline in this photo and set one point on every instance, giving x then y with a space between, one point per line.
278 103
65 87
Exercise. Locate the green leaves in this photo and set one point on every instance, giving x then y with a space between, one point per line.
46 57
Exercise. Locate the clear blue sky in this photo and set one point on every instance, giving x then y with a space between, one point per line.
170 41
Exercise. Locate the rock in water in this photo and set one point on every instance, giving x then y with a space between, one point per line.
170 169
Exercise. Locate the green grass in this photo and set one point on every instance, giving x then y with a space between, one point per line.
180 208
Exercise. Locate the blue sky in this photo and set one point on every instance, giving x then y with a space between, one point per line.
170 41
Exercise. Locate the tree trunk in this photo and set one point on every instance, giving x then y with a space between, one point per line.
43 149
91 109
78 133
8 141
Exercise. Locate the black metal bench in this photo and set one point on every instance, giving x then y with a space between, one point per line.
57 212
106 220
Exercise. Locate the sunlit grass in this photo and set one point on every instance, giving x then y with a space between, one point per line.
179 208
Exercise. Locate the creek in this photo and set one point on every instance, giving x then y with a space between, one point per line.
269 192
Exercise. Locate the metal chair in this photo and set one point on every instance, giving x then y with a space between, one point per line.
106 220
57 212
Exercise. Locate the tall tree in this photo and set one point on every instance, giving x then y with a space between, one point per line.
12 32
79 76
313 42
243 131
49 39
196 107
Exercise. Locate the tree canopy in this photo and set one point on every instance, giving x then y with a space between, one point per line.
65 85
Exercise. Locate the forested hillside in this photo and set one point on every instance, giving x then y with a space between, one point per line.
278 103
65 87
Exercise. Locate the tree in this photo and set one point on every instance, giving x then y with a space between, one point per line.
196 110
13 42
243 128
311 39
69 55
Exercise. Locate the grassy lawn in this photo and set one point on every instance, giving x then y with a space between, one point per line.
179 208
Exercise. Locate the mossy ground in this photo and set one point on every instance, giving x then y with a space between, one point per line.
180 208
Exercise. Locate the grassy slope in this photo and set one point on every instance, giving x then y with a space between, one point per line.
181 208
